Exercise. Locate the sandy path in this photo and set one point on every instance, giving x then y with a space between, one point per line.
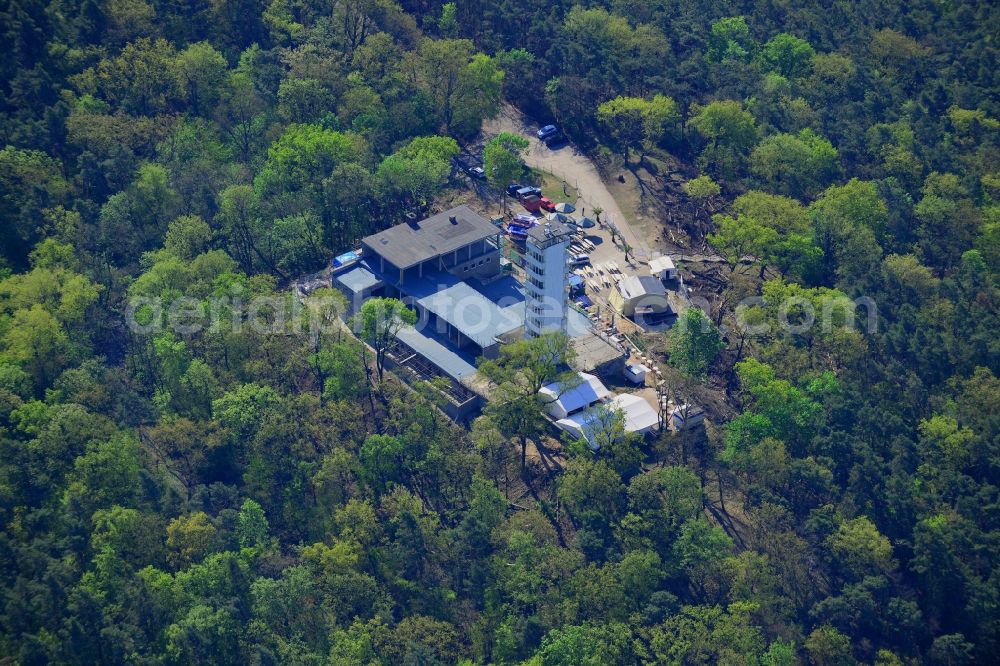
573 167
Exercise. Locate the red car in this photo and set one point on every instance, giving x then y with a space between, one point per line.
535 204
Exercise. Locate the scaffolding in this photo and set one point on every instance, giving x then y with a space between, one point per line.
420 369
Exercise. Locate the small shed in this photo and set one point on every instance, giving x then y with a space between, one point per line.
663 268
562 400
686 416
636 373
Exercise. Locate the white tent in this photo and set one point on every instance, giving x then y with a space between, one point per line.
564 399
583 425
639 416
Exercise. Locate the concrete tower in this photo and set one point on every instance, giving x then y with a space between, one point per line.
546 287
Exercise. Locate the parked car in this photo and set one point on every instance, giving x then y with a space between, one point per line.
476 172
546 204
548 132
513 189
531 203
528 191
579 259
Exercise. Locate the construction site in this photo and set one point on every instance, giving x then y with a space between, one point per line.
476 286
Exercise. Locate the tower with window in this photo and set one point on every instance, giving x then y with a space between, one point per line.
545 285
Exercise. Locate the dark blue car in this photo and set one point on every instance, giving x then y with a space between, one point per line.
548 132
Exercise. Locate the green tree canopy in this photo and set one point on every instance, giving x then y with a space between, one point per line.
379 320
702 187
787 55
730 39
502 160
634 122
418 170
694 342
730 132
794 165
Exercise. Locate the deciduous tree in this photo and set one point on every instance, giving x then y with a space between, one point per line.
502 161
694 342
379 321
730 132
634 122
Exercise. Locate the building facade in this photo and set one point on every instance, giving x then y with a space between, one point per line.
457 241
545 284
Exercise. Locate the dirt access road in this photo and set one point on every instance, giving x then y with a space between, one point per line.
576 169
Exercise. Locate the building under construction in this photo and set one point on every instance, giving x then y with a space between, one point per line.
447 268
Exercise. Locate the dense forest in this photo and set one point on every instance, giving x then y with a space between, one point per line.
225 494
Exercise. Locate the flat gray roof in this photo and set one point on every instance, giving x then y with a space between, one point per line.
477 316
411 243
593 351
442 356
483 312
662 263
545 231
634 286
358 278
